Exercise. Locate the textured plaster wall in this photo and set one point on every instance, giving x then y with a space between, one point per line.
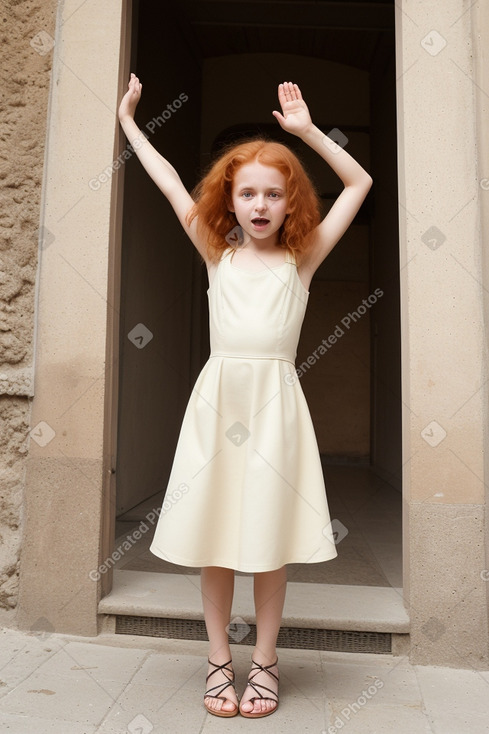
27 30
68 461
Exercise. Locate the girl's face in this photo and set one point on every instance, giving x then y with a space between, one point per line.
259 200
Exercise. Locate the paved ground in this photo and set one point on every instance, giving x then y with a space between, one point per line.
56 684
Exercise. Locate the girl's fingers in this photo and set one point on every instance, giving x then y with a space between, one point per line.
291 91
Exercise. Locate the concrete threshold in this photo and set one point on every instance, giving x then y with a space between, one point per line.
308 605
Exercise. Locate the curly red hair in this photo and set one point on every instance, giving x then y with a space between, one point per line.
213 195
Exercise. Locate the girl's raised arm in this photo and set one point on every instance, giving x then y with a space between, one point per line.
295 119
160 170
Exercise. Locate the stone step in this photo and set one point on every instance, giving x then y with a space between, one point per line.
307 605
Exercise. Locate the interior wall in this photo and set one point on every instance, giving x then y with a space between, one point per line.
160 272
337 385
386 435
164 284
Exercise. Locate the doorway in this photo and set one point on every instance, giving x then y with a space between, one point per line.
189 56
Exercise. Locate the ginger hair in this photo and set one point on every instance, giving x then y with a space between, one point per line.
213 197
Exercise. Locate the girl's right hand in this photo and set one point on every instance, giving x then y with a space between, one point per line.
131 98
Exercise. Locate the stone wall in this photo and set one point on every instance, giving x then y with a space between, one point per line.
27 40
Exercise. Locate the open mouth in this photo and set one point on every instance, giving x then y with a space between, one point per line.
260 221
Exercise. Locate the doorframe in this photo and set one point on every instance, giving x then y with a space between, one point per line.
113 336
111 407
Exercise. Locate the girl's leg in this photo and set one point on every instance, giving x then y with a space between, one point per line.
217 586
270 590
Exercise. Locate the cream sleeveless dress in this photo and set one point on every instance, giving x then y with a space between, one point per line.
246 490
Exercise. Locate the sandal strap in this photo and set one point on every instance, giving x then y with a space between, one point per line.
221 686
265 669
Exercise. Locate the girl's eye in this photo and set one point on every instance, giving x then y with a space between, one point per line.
249 194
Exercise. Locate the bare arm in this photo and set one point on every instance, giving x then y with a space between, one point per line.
161 171
297 120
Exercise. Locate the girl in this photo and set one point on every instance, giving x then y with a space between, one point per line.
248 487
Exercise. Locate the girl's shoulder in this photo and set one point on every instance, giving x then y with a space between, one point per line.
213 264
290 257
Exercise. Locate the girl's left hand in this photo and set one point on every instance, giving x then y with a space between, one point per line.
295 118
129 102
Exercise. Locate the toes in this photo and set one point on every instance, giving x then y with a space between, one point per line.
264 706
217 705
213 703
228 706
258 706
247 706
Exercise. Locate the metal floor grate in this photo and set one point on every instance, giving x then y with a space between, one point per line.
302 638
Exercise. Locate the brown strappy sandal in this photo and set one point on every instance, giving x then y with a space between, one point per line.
255 669
222 687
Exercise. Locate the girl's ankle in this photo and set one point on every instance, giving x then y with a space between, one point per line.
220 656
265 657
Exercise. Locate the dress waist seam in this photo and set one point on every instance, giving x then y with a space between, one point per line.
279 357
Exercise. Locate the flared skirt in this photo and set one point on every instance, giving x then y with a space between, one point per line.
246 490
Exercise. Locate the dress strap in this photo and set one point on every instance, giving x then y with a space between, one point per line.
228 252
290 257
